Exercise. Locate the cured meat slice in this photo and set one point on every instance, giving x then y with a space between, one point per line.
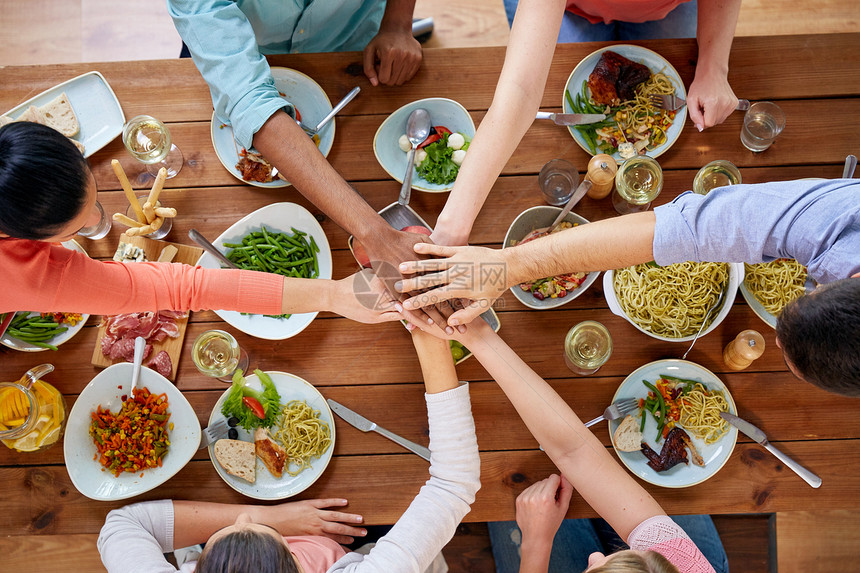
162 364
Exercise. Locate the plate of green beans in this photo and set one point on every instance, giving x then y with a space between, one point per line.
33 332
281 238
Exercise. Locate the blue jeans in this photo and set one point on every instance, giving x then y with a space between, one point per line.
576 539
679 23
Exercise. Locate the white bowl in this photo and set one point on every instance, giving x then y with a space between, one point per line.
736 277
279 217
443 111
525 223
106 390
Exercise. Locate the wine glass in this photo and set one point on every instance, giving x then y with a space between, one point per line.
148 141
217 354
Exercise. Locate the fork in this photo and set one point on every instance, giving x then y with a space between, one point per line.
616 410
671 102
212 433
714 307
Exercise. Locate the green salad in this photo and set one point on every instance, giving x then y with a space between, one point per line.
253 408
439 157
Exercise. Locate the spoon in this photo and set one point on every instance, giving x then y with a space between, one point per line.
574 199
139 347
850 165
417 130
715 306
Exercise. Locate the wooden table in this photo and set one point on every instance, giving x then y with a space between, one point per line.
373 368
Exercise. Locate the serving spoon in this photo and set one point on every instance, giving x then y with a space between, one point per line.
850 165
715 306
139 347
417 130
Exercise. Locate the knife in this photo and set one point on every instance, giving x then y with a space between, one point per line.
759 437
358 421
571 118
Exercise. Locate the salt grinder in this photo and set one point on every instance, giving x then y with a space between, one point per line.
746 347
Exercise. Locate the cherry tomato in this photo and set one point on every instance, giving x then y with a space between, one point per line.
254 405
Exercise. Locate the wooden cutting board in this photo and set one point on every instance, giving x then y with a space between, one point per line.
173 346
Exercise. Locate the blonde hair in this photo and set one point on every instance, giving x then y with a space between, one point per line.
628 561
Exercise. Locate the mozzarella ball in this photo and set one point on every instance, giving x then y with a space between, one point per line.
420 156
456 141
404 144
458 157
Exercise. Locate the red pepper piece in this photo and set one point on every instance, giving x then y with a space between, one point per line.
430 139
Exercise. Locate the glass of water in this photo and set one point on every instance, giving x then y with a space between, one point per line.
98 225
558 180
148 140
763 121
587 347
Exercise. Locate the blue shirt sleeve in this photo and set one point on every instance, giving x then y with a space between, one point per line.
816 222
224 48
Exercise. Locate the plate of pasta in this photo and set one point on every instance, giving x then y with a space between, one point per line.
704 395
768 287
305 429
650 130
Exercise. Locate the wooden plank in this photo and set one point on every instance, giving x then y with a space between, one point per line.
817 541
173 346
748 541
42 553
757 71
42 500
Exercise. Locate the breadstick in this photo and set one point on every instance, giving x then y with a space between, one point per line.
149 212
157 186
168 212
129 192
127 221
144 230
156 225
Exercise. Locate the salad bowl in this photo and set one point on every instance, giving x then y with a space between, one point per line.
526 222
392 159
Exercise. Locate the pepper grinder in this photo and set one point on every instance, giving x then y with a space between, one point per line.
746 347
601 173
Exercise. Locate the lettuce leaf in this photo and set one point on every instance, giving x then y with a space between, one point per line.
268 397
438 167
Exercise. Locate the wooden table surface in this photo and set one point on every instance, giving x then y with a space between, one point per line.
374 368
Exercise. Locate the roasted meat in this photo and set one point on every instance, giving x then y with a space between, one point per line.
674 451
272 454
614 78
253 167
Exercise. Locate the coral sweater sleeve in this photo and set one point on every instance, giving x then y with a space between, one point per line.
44 277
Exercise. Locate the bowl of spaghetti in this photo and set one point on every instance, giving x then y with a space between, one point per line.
670 303
769 287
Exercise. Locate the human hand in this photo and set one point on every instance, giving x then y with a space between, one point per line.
398 54
310 517
474 273
362 297
541 508
710 99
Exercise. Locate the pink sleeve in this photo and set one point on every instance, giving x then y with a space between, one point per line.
661 534
49 278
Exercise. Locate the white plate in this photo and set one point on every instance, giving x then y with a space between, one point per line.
298 89
442 111
106 390
756 306
267 486
278 217
655 62
99 113
16 344
736 277
682 475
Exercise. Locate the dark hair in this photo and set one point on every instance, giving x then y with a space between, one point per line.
820 335
246 552
43 180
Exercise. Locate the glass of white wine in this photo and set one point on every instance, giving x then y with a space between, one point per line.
719 173
587 347
148 140
638 181
217 354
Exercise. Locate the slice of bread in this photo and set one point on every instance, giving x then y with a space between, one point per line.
60 115
79 145
237 458
627 437
272 454
33 114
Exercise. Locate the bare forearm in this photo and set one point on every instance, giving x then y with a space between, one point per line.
398 15
517 98
307 295
535 556
289 149
579 455
437 366
715 30
609 244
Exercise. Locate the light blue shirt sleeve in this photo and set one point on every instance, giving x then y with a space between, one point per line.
816 222
227 40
